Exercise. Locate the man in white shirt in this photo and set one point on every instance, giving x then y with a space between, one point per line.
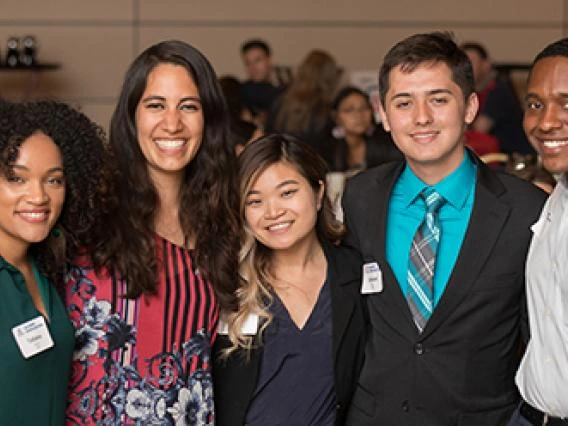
542 378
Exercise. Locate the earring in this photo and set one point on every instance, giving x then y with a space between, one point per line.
338 132
56 232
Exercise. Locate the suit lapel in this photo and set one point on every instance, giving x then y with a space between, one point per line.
390 303
486 223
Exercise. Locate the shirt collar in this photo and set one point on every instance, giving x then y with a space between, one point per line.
451 187
3 263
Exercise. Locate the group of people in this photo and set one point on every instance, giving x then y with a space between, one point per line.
158 279
339 124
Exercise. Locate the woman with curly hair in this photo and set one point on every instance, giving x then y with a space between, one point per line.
145 328
51 190
292 351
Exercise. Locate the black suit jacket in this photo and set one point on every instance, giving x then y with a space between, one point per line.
235 378
460 370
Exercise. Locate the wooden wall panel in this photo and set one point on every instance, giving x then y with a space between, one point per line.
92 62
96 40
47 11
360 10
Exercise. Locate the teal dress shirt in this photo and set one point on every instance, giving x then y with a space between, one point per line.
34 390
406 211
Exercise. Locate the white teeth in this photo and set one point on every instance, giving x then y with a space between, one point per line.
34 215
169 143
555 144
424 135
279 226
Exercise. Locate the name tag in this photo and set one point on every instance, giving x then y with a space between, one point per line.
372 278
249 327
32 337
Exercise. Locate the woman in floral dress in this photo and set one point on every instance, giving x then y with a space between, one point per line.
145 324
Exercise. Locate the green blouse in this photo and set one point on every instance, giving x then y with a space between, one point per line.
32 391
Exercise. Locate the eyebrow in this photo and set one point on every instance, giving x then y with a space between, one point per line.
280 185
287 182
429 93
52 170
531 95
163 99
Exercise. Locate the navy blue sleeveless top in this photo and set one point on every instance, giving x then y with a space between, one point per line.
296 384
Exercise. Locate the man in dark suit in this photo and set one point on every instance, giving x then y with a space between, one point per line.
444 239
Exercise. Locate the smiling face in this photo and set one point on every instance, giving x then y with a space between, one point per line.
426 114
169 120
546 112
31 195
281 208
354 114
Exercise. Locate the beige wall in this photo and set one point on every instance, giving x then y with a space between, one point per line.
95 40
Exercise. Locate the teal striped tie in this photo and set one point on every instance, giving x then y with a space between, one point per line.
422 260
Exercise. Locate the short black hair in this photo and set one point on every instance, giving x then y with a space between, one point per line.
348 91
256 44
428 47
478 47
558 48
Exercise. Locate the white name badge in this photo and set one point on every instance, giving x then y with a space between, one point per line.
32 337
249 327
372 278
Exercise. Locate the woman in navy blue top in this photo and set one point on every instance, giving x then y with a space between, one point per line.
291 352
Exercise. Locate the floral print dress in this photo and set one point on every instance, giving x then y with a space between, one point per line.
145 361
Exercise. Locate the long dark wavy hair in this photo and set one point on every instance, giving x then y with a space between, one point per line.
82 146
208 198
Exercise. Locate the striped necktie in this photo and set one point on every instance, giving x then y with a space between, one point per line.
422 260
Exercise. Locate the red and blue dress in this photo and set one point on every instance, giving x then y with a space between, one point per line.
147 360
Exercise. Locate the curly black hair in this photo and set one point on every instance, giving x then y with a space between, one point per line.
85 157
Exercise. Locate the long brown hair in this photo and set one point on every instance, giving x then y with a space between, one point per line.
208 198
307 101
254 292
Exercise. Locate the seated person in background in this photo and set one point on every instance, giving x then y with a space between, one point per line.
258 91
293 349
243 129
500 112
303 110
357 143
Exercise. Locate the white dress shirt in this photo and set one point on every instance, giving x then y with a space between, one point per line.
542 378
